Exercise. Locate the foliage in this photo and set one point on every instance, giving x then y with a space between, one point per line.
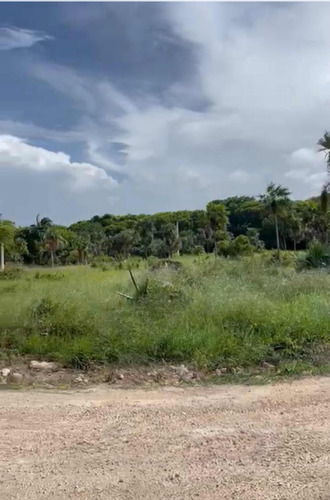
318 255
12 274
270 221
48 276
275 201
240 246
214 313
324 143
7 233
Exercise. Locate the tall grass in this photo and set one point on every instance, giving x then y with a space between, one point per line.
212 313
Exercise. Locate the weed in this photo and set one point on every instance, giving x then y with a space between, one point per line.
215 312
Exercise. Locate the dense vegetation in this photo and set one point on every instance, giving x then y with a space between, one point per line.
237 225
261 298
211 312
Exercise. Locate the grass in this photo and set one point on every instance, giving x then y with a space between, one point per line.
213 313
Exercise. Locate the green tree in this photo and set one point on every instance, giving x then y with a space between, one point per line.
7 235
218 220
294 227
253 236
324 143
123 242
275 200
53 241
146 230
171 239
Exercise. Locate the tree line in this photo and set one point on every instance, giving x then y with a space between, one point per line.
231 226
238 224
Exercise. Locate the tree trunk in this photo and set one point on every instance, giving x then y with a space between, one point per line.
277 235
294 244
52 257
2 257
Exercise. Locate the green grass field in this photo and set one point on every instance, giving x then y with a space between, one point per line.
213 313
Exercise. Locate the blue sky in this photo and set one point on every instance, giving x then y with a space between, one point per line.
133 107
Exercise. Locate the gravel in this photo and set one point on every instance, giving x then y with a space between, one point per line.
215 442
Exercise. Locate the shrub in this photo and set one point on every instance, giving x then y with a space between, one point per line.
12 274
198 250
53 318
167 264
240 246
283 258
317 256
43 307
48 276
102 262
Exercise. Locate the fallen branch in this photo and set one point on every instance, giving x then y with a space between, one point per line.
141 291
126 296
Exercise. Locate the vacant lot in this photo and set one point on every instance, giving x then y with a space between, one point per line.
269 442
211 313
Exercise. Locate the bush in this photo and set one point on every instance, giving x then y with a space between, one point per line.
198 250
106 263
48 276
102 262
43 307
283 258
317 256
167 264
240 246
12 274
56 319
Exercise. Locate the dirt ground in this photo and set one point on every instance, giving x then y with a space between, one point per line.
215 442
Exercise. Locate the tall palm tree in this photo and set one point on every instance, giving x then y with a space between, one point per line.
53 241
275 199
218 221
324 205
324 143
7 233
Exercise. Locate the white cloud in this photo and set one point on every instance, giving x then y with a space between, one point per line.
16 153
240 176
26 129
16 38
264 72
308 169
307 157
269 69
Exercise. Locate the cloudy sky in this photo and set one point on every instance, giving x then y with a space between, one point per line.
117 108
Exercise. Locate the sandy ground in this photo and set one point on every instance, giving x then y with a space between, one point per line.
219 442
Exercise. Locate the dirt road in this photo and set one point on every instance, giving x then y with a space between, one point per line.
266 442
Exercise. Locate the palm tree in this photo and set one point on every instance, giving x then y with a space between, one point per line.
81 244
294 227
324 205
53 241
275 200
218 221
7 233
324 143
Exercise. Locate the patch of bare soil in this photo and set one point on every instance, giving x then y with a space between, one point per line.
24 372
227 442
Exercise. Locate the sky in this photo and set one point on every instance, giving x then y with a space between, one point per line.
148 107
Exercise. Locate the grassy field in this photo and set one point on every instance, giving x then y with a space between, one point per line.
212 313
